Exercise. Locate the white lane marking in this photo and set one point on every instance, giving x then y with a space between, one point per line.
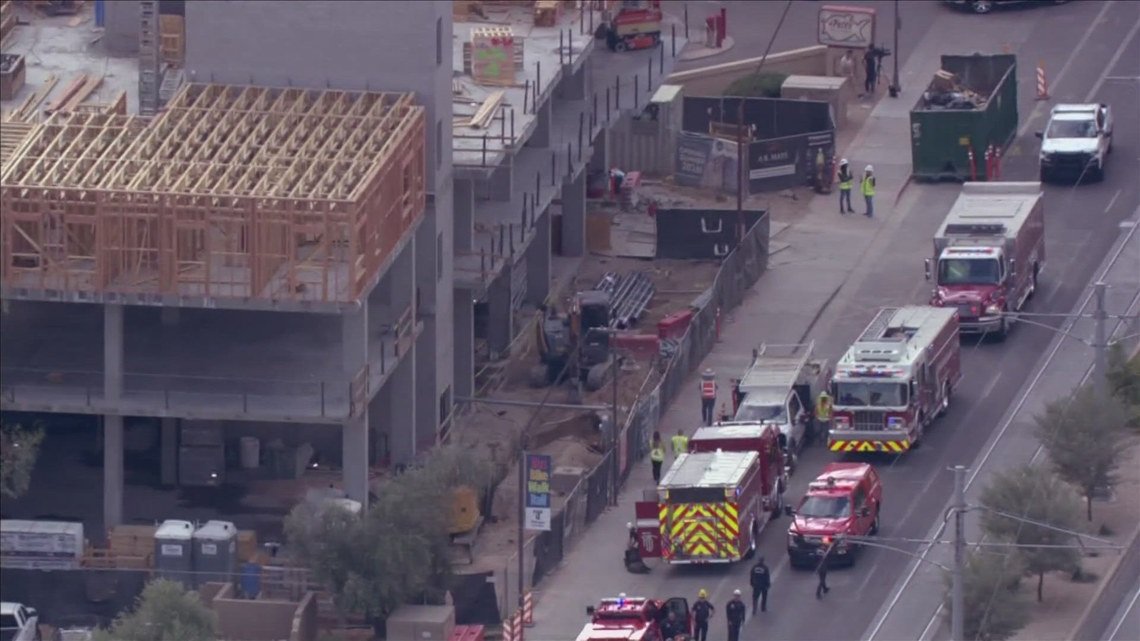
1114 197
991 385
1124 617
930 626
1058 342
1068 62
1122 78
1112 61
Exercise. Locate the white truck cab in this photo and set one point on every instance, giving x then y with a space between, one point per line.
1076 141
18 622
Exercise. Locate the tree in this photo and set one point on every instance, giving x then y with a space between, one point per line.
758 85
19 449
994 606
1085 439
1124 381
1033 493
165 611
398 550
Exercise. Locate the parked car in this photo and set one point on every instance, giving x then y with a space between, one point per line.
986 6
18 622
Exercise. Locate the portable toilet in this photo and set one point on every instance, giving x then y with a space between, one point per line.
215 552
173 557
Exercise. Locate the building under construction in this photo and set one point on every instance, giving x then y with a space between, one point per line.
315 234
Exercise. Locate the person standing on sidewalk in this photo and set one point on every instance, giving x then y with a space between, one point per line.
868 188
846 182
656 456
702 612
761 580
708 396
846 67
735 612
871 67
680 443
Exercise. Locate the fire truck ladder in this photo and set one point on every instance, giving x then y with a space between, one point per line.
877 328
150 60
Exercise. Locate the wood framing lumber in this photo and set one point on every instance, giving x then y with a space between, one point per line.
75 85
487 110
28 108
86 90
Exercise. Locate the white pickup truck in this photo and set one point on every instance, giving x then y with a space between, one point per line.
18 622
1076 142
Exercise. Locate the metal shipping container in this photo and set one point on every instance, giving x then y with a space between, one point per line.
942 129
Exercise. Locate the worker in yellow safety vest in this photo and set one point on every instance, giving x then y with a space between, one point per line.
868 189
823 415
656 456
846 182
708 396
680 443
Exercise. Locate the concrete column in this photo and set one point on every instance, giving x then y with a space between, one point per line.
354 431
402 412
574 217
168 442
112 423
541 136
497 187
500 324
464 328
575 85
170 316
600 158
464 214
538 262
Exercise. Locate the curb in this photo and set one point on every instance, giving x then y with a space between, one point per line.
700 52
1098 612
898 196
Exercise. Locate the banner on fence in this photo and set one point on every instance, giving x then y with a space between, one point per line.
538 469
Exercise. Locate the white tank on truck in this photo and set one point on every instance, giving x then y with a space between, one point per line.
988 254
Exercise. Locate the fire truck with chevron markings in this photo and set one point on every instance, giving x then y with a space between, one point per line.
713 502
895 380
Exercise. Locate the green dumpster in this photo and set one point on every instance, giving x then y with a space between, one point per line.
969 105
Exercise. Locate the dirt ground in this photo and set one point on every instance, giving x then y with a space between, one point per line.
1065 599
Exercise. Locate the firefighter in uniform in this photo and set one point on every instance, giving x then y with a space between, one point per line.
702 612
680 443
846 182
823 415
708 396
735 612
821 571
761 580
656 456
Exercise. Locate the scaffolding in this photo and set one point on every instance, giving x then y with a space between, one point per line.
231 192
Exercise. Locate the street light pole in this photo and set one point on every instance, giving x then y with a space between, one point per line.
614 428
957 605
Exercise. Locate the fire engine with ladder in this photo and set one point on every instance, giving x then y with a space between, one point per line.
895 380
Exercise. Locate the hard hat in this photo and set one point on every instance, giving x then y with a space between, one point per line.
736 593
629 526
843 161
869 168
703 594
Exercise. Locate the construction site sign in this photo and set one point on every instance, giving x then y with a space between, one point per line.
538 470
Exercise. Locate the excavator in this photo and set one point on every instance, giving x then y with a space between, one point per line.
580 338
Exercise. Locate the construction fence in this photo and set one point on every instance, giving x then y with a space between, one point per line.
740 269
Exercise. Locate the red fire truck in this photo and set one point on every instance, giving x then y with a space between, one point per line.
635 619
633 25
844 500
988 254
710 506
895 380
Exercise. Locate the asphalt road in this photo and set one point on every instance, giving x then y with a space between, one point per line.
1125 626
1096 53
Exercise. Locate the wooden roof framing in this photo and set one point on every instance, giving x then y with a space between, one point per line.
220 149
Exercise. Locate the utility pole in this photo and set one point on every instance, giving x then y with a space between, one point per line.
522 514
1101 339
741 158
957 605
895 89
